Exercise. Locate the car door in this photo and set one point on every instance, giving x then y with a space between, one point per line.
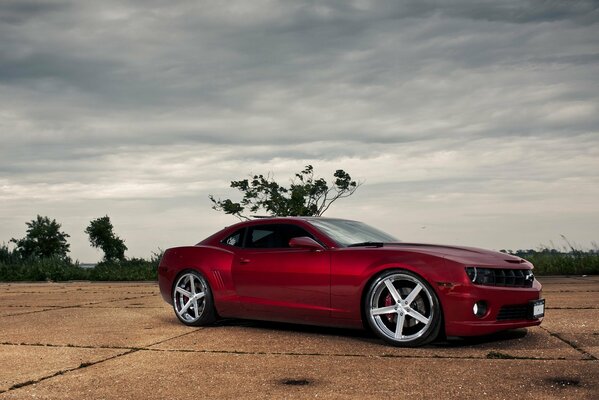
276 282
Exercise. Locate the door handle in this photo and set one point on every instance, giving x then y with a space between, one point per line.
244 260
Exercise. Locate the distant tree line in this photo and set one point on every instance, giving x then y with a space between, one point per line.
567 260
43 254
44 239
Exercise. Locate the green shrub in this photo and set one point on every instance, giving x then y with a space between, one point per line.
555 262
13 268
7 256
133 269
569 259
52 269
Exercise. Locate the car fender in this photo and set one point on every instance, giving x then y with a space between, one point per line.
213 263
363 265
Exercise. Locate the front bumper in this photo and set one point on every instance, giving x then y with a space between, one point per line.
458 300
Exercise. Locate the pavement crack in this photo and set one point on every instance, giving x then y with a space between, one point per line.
82 305
65 371
71 346
36 311
123 298
130 349
112 307
587 356
171 338
384 355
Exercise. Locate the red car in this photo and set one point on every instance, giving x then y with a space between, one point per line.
336 272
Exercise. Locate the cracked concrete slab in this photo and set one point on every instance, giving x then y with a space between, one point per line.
572 321
228 376
588 342
148 301
156 357
579 286
557 300
57 299
113 327
559 279
256 337
21 364
78 286
5 311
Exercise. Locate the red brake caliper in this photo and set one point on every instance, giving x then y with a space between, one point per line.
390 302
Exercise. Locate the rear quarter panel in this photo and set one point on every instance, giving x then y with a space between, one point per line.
214 263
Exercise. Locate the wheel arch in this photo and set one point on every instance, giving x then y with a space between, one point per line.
201 259
398 267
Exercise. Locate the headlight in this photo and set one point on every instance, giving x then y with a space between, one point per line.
481 276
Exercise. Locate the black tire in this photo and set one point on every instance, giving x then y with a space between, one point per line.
404 318
192 299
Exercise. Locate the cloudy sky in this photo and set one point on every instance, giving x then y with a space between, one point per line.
468 122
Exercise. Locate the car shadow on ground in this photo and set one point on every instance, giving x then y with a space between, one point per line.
366 335
504 336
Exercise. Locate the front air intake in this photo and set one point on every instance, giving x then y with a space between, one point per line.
507 313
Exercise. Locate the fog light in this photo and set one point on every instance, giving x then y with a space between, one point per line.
479 309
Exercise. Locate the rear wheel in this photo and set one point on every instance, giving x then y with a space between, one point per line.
192 300
402 309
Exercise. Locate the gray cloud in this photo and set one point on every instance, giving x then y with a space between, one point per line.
140 109
21 11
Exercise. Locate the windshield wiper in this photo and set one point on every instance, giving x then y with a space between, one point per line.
373 244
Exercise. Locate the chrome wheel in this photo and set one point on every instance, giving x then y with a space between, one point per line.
402 309
192 299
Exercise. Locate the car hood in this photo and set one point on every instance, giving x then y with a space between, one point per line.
465 255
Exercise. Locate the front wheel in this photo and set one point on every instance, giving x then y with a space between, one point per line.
402 309
192 300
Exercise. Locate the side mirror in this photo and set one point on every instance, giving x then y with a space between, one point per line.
304 242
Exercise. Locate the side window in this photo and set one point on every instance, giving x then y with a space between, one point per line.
262 237
288 232
275 236
235 239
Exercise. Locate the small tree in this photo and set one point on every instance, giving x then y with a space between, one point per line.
306 196
101 235
7 255
44 239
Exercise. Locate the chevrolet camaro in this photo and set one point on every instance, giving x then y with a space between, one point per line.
343 273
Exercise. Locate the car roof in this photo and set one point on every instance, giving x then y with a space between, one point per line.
275 219
217 236
266 219
269 217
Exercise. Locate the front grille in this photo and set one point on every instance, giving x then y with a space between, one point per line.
519 311
513 277
501 276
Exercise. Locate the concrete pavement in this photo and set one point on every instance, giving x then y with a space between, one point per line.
121 341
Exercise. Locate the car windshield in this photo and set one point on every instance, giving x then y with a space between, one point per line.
348 233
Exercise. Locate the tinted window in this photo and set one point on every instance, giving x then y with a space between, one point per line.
273 236
289 232
235 239
262 238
